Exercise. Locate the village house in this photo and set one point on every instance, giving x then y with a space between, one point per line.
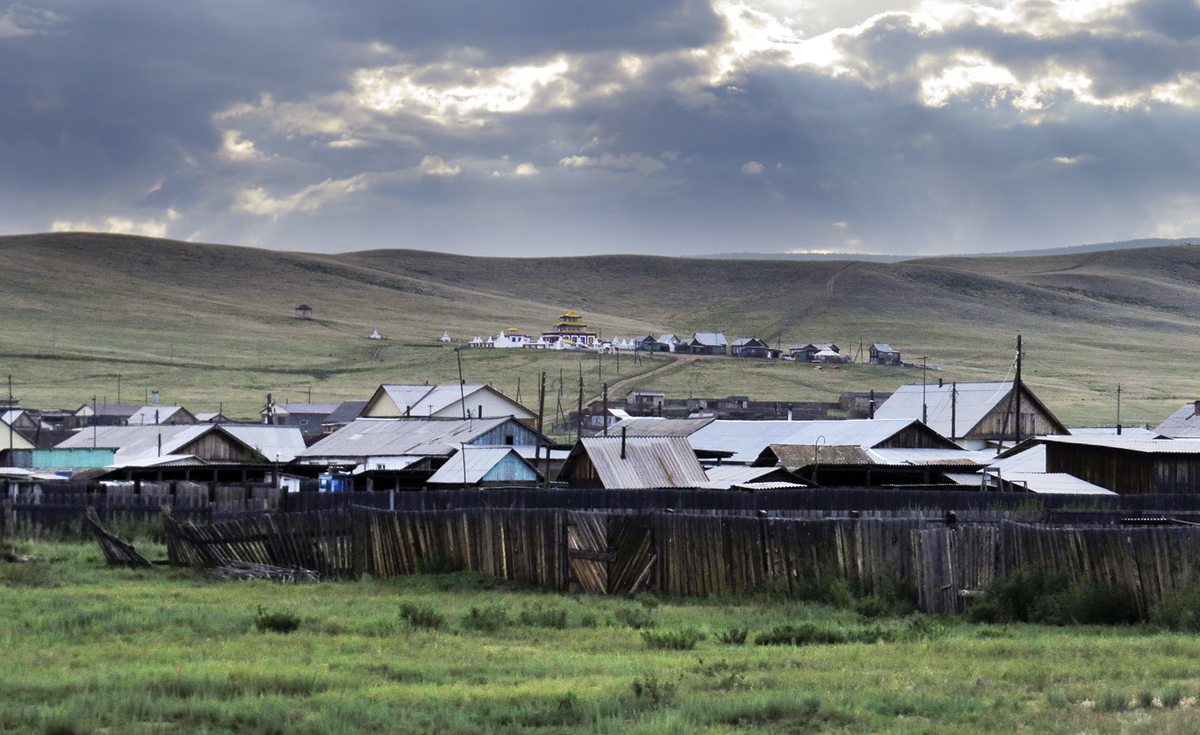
308 417
976 415
632 463
200 443
707 343
443 401
753 347
883 354
647 343
808 351
103 414
671 341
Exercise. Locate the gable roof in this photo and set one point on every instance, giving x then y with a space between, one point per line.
134 443
107 409
150 415
668 338
650 426
390 437
305 408
276 443
882 347
747 439
478 461
973 403
710 339
346 412
650 462
427 400
1184 422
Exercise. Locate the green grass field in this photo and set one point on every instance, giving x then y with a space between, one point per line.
92 649
212 327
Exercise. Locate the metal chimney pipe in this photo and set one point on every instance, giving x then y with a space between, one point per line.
624 429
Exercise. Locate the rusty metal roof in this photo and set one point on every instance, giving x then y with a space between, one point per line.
649 462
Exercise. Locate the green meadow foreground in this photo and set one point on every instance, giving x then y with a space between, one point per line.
85 648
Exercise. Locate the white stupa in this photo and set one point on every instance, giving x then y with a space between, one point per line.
446 337
375 335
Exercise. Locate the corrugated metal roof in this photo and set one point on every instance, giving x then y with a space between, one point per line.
650 462
726 476
1184 422
795 456
645 426
132 443
1055 483
394 437
1146 446
710 339
747 439
150 415
479 461
1131 432
932 456
310 408
270 441
975 400
346 412
1031 459
882 347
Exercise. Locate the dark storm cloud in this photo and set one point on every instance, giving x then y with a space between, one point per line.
540 127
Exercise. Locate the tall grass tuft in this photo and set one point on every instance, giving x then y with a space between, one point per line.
421 616
276 621
486 619
672 640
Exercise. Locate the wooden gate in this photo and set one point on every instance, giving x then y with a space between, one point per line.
609 554
953 565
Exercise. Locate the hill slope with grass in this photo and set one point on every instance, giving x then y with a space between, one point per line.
214 326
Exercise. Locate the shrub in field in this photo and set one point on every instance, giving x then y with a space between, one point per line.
1179 610
635 618
871 607
30 575
276 621
1037 595
672 640
652 692
1145 699
733 636
1172 697
1111 702
487 619
536 616
647 600
421 616
826 591
589 620
754 712
810 634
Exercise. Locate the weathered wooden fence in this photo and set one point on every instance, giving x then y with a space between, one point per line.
698 555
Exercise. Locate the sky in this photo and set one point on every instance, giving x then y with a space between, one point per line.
539 127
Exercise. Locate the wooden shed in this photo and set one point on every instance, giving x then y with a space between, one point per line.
1128 466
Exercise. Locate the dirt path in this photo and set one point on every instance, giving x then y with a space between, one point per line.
679 360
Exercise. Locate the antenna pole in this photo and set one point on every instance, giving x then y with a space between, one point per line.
94 418
1017 392
1118 408
118 389
953 410
537 445
10 428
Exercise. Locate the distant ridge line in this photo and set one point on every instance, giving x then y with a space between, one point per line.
885 258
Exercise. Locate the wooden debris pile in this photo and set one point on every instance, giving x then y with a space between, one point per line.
233 569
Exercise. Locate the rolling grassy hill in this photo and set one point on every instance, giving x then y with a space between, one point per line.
213 326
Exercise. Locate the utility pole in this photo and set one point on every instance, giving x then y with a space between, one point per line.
10 428
462 390
605 407
953 410
118 389
1119 408
1017 392
579 413
537 452
94 418
924 406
